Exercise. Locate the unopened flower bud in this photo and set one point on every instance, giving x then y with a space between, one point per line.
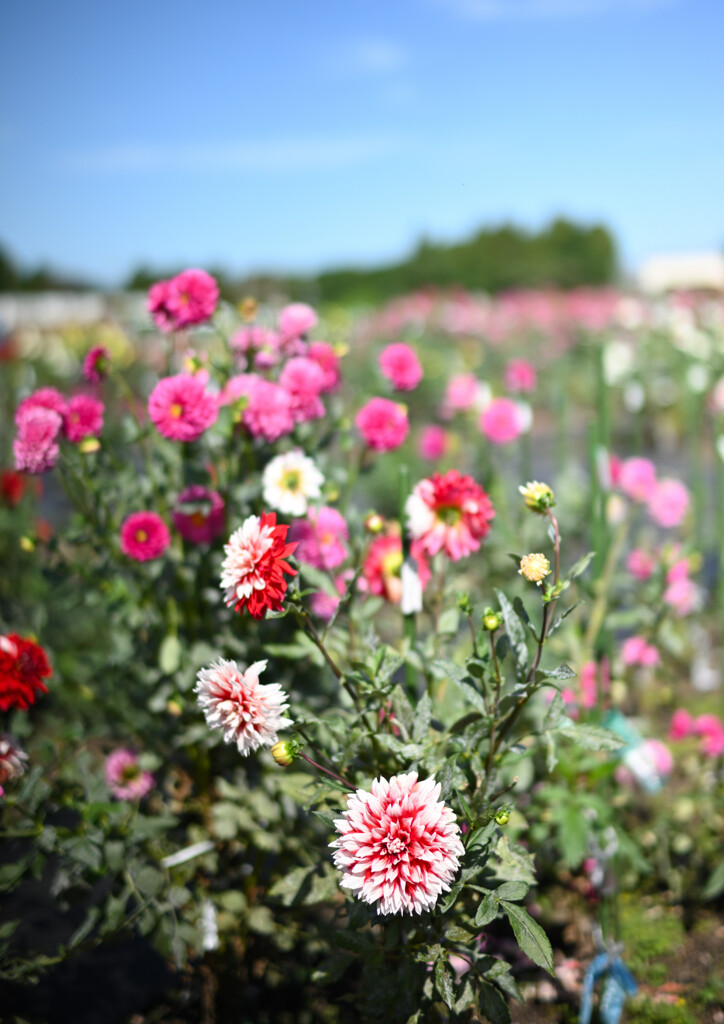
174 708
491 620
248 308
27 544
502 817
374 523
284 752
89 445
534 568
538 497
464 604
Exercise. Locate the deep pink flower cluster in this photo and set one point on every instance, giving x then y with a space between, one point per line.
328 361
709 727
303 380
433 442
84 418
36 446
321 538
667 500
187 299
182 408
296 320
400 365
383 424
144 536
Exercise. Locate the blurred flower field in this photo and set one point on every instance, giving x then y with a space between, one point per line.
364 664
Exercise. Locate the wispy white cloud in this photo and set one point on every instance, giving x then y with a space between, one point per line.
367 56
531 10
277 155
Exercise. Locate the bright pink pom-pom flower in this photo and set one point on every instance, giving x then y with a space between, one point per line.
296 320
682 725
400 365
711 729
637 479
95 364
303 380
636 651
43 398
124 776
247 712
327 359
383 424
399 846
669 503
144 536
520 376
461 393
199 514
433 442
502 421
23 667
252 573
682 596
84 418
449 513
182 408
321 538
191 298
36 448
640 564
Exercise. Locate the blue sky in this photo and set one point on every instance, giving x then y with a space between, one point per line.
296 136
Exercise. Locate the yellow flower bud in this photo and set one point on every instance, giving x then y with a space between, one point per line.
89 445
284 752
538 497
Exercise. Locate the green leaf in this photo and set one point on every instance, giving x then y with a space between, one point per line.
402 709
492 1004
516 632
555 712
500 974
573 829
562 617
449 621
487 911
579 567
423 714
715 884
444 983
149 881
591 737
512 891
449 898
530 936
85 928
562 672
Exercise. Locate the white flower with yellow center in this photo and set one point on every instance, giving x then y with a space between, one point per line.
290 482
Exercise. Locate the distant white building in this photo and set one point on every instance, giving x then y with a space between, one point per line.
682 270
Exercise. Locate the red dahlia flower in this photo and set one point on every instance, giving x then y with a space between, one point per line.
23 666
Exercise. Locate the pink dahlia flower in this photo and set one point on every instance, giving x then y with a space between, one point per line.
267 413
669 503
303 379
84 418
328 361
682 725
124 776
43 398
252 573
399 846
247 712
520 376
449 513
158 307
191 298
711 729
296 320
637 479
399 364
144 536
199 514
433 442
382 567
461 393
95 364
321 538
260 343
182 408
682 596
640 564
636 651
383 424
588 684
502 421
36 448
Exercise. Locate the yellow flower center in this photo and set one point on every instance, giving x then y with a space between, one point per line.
141 536
198 518
392 563
292 480
176 410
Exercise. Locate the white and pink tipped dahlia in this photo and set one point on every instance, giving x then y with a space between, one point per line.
449 513
248 712
399 846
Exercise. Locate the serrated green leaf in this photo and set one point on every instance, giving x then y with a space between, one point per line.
444 983
562 672
562 617
579 567
516 632
530 936
85 928
423 715
590 737
512 891
492 1004
487 911
149 881
449 898
500 973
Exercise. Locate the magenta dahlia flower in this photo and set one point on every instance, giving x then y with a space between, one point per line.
502 421
296 320
303 380
669 503
192 298
637 479
327 359
44 398
199 514
321 538
36 447
400 365
95 364
84 418
449 513
399 846
144 536
520 375
124 776
383 424
182 408
248 712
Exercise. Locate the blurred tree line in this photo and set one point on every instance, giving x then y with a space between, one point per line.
561 255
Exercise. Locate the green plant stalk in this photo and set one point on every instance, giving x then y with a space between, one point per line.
603 586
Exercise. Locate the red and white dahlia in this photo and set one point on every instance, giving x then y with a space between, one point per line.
248 712
252 573
399 846
23 666
449 512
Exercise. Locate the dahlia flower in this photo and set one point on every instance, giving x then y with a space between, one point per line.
252 573
247 712
461 393
157 305
95 364
13 760
534 567
144 536
296 320
640 564
682 725
84 418
637 479
399 847
35 448
23 666
383 424
124 776
321 538
199 514
636 651
520 375
502 421
328 361
290 481
711 729
182 408
400 365
382 567
191 298
668 503
303 380
450 513
433 442
44 398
